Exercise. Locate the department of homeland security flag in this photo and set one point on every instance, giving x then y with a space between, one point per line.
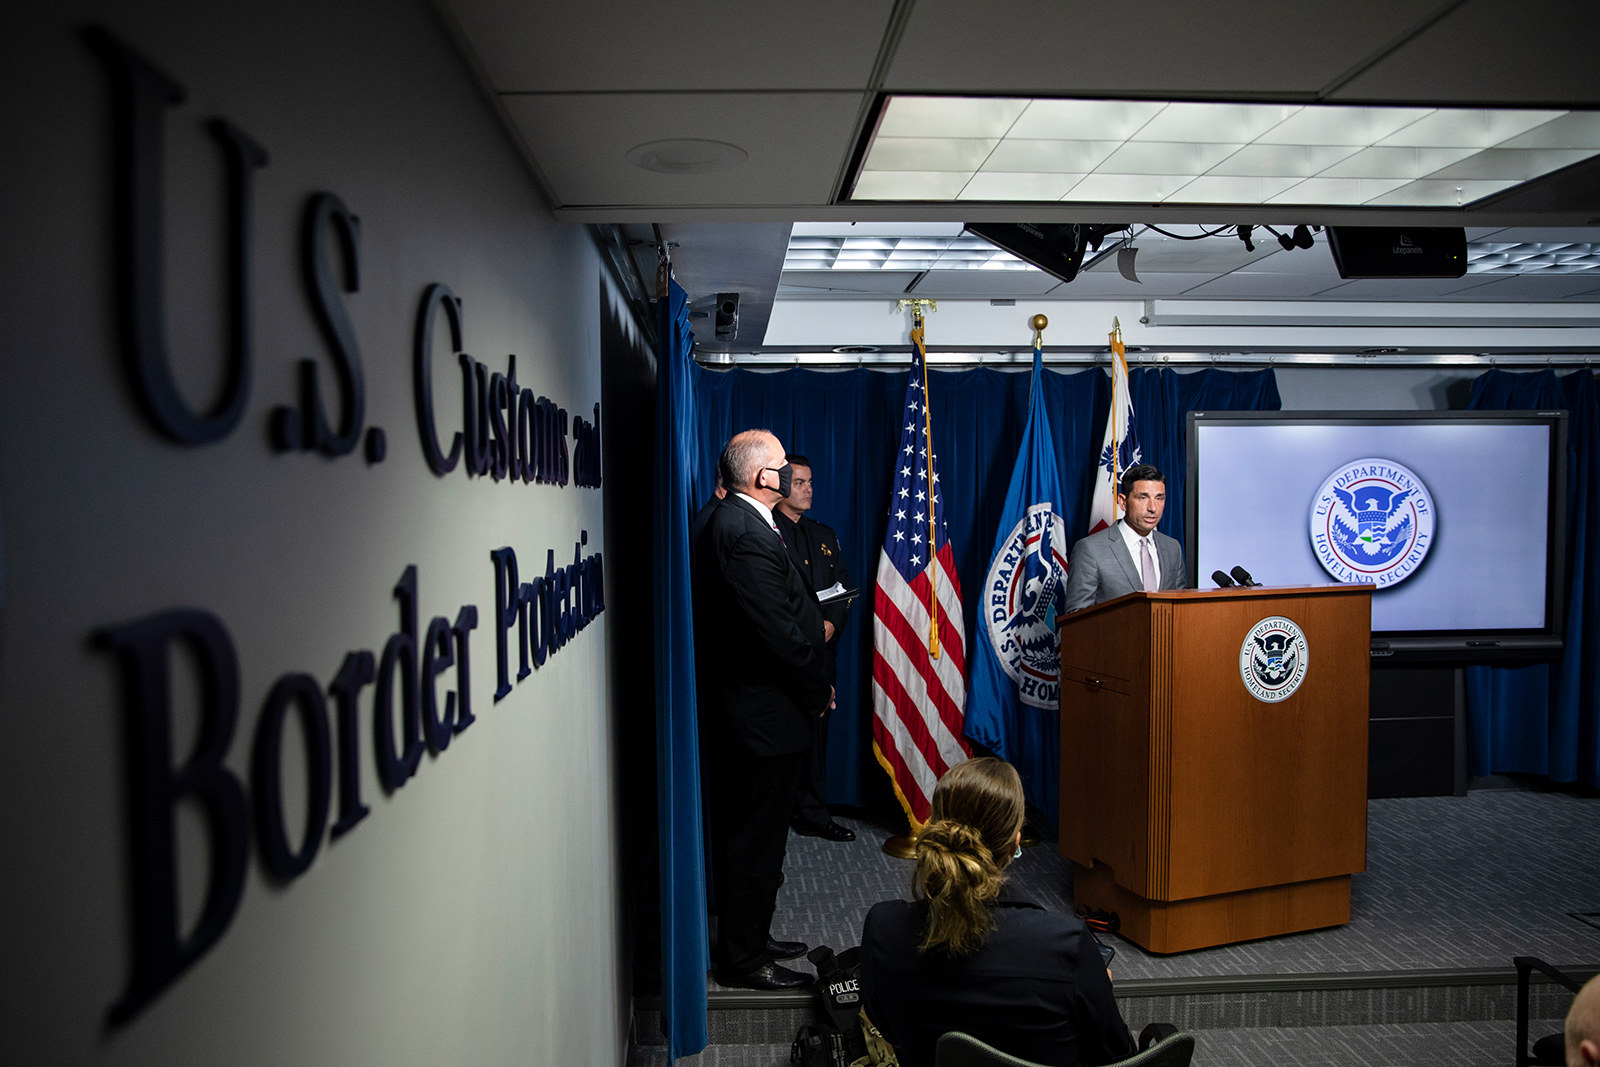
919 655
1119 448
1012 709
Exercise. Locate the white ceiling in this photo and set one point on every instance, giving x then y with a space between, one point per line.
795 87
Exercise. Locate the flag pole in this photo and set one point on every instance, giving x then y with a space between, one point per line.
904 846
1119 354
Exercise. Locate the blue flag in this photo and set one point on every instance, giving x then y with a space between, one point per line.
1013 695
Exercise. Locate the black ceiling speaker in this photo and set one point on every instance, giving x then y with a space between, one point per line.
1399 251
1055 248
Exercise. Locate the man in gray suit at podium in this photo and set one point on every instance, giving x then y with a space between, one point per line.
1129 555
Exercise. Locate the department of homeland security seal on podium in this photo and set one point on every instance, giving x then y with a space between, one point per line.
1022 595
1273 659
1372 521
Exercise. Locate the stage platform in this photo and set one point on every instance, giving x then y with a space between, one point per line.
1454 888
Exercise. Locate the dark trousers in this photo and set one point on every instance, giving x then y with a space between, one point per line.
811 799
752 799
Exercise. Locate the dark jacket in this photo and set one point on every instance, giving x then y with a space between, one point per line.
1036 989
758 633
814 547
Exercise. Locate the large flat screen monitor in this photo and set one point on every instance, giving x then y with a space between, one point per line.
1458 518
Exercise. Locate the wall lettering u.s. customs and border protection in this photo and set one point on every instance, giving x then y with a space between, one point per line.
329 222
144 649
546 612
586 451
141 93
506 432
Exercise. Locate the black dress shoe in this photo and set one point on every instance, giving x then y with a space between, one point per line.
786 950
830 830
770 976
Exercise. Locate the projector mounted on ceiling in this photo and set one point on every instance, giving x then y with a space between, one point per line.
1055 248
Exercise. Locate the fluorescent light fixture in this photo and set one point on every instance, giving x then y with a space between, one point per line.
1024 150
816 252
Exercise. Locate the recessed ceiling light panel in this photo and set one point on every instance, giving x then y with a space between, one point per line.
1024 150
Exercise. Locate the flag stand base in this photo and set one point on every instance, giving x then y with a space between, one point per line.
900 847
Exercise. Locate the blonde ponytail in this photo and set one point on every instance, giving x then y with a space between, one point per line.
963 850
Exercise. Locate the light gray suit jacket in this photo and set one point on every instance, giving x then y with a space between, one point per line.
1102 568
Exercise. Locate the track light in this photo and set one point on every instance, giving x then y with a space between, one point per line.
1244 235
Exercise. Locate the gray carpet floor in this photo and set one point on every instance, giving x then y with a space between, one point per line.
1451 882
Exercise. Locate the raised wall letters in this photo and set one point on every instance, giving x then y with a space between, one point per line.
327 219
144 649
141 93
547 612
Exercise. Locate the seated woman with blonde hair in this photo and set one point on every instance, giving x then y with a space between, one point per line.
963 956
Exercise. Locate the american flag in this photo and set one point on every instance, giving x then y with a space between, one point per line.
919 656
1119 449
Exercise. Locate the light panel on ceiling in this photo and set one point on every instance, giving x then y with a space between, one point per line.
1022 150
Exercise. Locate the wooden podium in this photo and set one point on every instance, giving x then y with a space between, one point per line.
1199 812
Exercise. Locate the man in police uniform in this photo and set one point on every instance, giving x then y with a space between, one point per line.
815 550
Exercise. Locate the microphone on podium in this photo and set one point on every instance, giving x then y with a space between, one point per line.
1222 580
1243 576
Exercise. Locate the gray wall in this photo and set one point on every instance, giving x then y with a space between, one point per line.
474 915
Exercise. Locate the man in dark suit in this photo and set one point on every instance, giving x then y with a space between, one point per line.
1129 555
814 547
757 620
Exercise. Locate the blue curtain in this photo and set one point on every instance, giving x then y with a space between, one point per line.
1545 718
1161 402
847 424
685 946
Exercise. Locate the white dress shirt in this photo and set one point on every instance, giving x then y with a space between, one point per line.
1131 538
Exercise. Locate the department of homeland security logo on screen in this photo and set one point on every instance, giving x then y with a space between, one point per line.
1025 590
1372 521
1274 658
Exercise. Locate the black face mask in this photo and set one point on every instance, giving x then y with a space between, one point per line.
785 475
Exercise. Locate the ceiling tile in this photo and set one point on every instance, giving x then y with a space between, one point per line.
1435 193
1337 190
930 153
1167 157
1463 56
1516 164
1126 188
1341 125
648 46
1411 288
1109 283
1297 160
935 116
1237 123
975 283
844 282
795 143
1013 186
1403 163
1021 154
1578 129
908 185
1262 286
1221 189
1068 119
1149 47
1535 287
